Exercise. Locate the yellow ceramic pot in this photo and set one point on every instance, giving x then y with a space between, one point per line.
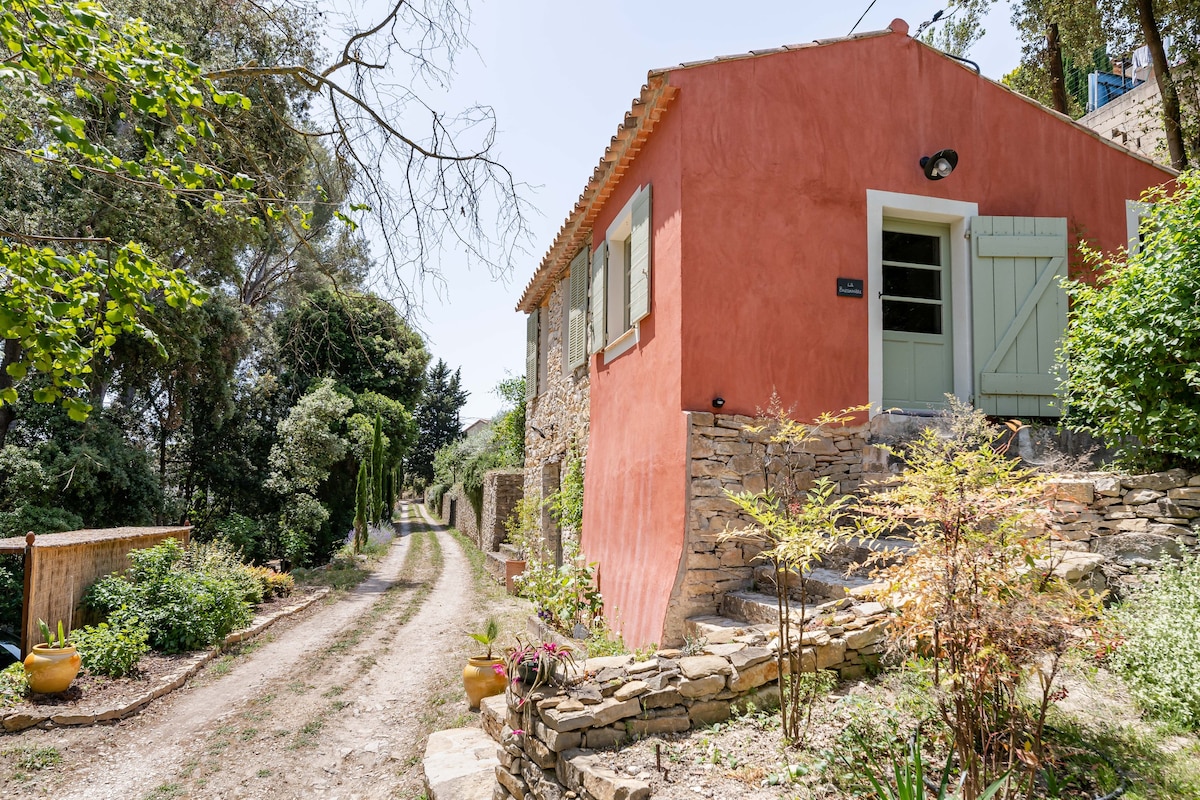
481 680
52 669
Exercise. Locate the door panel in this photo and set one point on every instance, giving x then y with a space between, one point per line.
918 352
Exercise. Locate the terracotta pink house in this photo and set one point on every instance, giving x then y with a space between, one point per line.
861 220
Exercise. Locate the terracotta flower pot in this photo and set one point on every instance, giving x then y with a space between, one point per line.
52 669
480 679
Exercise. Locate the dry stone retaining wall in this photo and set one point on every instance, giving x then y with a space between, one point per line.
502 489
724 456
464 513
1122 522
548 736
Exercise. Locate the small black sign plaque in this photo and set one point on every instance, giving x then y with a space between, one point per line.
850 287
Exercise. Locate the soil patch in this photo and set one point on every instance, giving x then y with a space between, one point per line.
92 692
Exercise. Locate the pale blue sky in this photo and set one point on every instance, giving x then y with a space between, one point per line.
560 76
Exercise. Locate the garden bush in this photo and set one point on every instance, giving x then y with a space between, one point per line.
1159 650
113 647
433 497
187 599
1133 342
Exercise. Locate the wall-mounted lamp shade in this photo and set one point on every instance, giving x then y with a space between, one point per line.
718 402
940 164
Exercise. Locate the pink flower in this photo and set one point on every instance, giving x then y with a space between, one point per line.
499 670
518 732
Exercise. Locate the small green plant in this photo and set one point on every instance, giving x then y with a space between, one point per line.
567 503
186 599
48 640
35 759
113 647
908 779
14 684
1159 652
794 521
488 636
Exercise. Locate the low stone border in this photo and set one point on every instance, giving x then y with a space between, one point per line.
548 736
20 720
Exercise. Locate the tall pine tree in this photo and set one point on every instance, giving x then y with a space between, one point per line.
437 417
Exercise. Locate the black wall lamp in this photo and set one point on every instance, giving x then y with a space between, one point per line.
940 164
718 402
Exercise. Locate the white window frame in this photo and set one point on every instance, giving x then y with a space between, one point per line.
615 299
919 208
1135 212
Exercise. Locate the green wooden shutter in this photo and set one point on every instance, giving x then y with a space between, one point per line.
639 276
599 287
531 353
577 315
1019 312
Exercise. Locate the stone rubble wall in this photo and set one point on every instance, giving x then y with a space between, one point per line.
724 456
502 489
1121 522
549 737
464 520
560 410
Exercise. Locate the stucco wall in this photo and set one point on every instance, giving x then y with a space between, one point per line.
778 155
635 484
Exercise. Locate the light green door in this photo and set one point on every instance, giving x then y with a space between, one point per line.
918 352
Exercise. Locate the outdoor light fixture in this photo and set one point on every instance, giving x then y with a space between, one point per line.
940 164
718 402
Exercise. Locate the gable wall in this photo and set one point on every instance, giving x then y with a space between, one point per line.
778 154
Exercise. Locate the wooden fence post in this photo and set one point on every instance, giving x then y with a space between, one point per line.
27 601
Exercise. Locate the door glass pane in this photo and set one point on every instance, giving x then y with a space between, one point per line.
912 248
912 317
912 282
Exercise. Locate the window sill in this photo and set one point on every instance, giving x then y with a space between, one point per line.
621 344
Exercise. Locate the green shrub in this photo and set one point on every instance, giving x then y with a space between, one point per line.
1159 657
12 588
244 534
1133 342
433 497
13 684
114 647
566 595
187 600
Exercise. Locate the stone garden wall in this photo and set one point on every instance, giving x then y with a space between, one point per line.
548 737
501 491
725 456
1125 521
556 417
464 513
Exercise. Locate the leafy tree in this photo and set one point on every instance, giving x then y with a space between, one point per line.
438 422
1055 32
361 504
309 446
1132 349
359 340
509 427
377 453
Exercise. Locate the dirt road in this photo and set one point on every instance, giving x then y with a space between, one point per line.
335 704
